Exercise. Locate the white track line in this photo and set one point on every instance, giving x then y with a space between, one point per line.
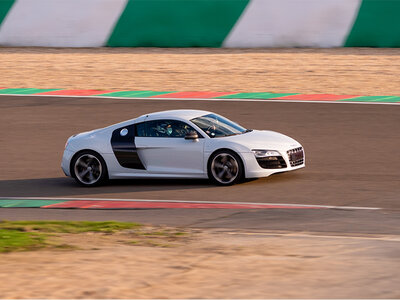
389 238
189 201
207 99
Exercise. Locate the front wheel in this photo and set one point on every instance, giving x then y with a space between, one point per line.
89 169
225 168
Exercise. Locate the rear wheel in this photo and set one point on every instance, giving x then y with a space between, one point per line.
225 168
89 169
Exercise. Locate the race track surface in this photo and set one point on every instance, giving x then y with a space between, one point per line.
352 154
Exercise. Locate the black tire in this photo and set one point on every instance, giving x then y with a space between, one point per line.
225 168
89 169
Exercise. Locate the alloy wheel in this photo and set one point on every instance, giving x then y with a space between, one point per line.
88 169
224 168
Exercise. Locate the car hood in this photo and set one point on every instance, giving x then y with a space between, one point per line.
264 139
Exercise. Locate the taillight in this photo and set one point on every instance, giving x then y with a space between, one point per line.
66 143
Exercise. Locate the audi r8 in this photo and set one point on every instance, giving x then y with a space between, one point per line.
179 144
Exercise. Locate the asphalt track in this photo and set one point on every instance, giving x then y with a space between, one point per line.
352 159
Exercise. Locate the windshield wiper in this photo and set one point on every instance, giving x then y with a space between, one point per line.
232 134
247 130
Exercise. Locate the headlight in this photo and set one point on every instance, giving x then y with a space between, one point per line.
265 153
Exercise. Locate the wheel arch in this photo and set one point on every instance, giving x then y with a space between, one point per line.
241 161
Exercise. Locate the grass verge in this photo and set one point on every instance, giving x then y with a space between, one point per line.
12 240
67 226
34 235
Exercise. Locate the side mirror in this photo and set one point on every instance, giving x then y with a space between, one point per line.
191 135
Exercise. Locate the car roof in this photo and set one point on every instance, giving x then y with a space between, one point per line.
180 114
185 114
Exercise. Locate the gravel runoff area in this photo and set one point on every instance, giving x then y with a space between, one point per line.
349 71
207 264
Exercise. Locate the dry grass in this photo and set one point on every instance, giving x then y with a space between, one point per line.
35 235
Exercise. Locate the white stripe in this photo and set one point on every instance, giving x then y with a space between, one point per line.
60 23
390 238
206 99
189 201
294 23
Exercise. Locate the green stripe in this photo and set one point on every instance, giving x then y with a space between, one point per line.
274 95
256 95
25 91
176 23
241 95
134 94
377 25
28 203
391 99
13 91
37 91
5 6
373 99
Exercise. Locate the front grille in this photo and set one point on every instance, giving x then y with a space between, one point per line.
296 156
272 162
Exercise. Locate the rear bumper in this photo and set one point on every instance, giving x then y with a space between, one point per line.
66 162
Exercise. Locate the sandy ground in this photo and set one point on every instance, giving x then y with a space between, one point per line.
359 71
208 265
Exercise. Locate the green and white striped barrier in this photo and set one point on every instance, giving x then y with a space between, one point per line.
200 23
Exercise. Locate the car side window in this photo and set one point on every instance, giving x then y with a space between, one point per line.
141 129
163 128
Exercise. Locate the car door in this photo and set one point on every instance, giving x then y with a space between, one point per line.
163 148
124 160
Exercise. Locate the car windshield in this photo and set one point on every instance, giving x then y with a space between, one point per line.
216 126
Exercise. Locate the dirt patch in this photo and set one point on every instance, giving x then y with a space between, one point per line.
208 264
352 71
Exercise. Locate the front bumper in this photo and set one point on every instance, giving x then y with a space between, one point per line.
288 161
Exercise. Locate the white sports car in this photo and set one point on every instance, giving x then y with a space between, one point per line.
179 144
